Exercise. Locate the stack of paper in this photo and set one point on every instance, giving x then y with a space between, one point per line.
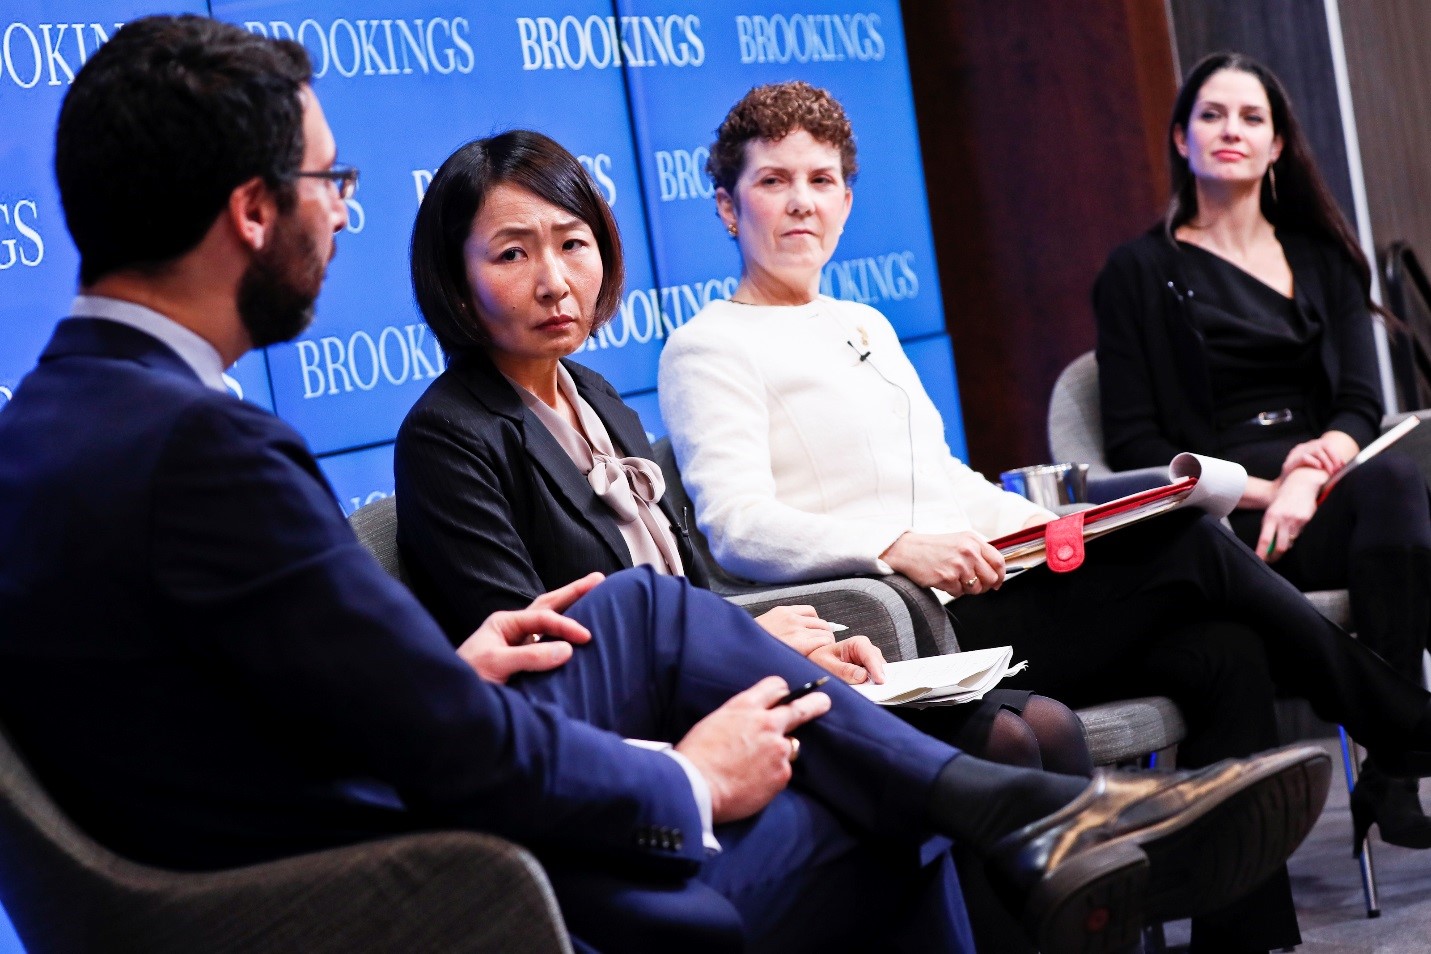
942 680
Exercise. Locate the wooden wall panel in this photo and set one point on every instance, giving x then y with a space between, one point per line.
1390 76
1041 125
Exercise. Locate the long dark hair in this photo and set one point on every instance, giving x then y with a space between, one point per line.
1303 202
444 220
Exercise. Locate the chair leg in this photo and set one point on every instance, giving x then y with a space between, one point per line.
1350 763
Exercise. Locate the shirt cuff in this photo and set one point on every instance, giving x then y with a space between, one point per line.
700 788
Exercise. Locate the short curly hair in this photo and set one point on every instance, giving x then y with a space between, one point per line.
773 112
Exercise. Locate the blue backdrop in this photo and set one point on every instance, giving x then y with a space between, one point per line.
634 87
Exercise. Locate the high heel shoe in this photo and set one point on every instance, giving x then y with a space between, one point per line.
1393 805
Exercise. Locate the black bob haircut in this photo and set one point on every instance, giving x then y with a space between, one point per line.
518 157
161 125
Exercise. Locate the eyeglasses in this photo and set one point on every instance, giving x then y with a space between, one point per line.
343 178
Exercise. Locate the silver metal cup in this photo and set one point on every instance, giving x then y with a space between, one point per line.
1049 485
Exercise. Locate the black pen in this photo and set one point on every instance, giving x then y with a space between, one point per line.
804 690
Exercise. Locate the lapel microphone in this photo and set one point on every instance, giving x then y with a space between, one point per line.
864 355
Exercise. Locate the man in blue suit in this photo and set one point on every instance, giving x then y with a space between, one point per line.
206 669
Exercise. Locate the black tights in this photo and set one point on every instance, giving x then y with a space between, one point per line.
1013 728
1047 735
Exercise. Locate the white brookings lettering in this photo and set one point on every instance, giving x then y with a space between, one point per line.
809 37
355 502
399 354
888 277
51 53
597 166
386 47
682 174
29 248
653 313
602 42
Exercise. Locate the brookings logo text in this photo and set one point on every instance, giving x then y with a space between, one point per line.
602 42
49 53
386 47
22 218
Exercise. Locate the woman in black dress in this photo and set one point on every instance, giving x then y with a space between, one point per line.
1240 326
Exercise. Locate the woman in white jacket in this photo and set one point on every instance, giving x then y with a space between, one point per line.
811 449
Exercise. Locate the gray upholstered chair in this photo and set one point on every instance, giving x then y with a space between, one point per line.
1117 732
1075 434
442 891
865 606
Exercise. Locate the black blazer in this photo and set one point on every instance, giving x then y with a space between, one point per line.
1155 388
491 511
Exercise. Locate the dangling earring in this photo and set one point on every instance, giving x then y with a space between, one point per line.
1272 181
733 229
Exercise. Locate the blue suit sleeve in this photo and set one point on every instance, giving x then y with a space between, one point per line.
279 596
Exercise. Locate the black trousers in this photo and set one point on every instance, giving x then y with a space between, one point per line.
1372 536
1178 606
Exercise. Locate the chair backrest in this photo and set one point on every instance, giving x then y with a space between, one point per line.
1075 428
376 527
51 874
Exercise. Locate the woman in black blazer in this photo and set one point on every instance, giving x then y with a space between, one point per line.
1240 327
516 261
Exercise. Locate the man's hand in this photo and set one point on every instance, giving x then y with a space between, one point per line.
798 627
742 750
508 642
853 660
1291 508
958 563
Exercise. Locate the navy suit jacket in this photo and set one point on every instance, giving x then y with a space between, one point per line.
206 668
491 511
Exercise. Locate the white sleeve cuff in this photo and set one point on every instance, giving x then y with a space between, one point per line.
700 789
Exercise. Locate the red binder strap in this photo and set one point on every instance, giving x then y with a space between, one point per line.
1064 540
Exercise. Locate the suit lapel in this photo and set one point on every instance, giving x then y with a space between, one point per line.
487 384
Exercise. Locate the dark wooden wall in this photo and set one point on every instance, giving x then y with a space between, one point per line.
1390 73
1042 125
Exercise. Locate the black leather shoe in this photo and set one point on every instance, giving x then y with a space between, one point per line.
1136 848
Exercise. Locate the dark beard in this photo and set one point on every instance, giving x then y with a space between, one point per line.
274 303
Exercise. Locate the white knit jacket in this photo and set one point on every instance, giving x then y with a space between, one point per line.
802 459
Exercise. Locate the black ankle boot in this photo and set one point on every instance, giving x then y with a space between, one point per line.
1393 804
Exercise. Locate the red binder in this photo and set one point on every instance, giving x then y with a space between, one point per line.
1060 542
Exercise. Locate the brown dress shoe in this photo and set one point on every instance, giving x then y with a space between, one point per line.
1136 848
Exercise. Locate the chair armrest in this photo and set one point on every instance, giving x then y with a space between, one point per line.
1118 731
1123 483
867 606
442 891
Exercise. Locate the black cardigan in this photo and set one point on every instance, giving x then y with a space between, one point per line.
491 510
1154 385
